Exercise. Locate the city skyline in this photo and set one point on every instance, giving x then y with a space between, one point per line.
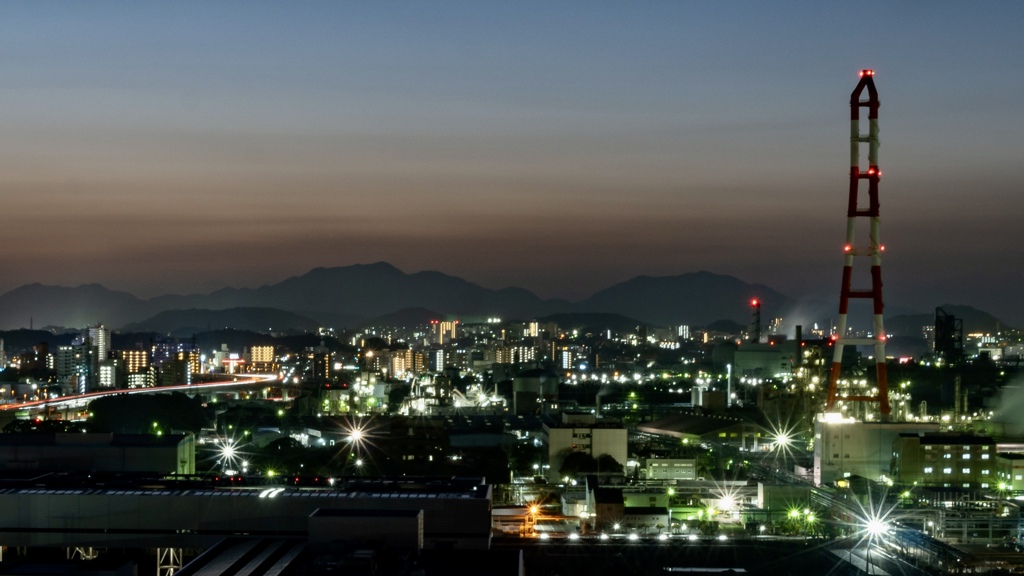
560 148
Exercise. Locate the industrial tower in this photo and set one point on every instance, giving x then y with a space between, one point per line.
855 214
754 331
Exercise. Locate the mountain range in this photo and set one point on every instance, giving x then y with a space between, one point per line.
350 296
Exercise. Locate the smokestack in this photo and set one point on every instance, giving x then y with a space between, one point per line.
755 321
866 179
799 337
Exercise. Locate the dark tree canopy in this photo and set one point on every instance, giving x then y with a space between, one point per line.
146 413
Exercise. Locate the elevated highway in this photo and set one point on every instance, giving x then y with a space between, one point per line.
77 402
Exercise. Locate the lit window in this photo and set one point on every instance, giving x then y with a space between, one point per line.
967 448
928 469
966 456
1018 477
947 456
967 485
984 456
965 470
927 447
984 472
947 470
984 484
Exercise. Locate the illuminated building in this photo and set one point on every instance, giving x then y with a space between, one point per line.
684 332
74 365
141 379
845 447
261 359
671 469
515 354
110 373
565 359
193 359
262 354
1009 472
99 336
398 363
180 369
533 329
164 351
945 460
435 360
443 331
133 361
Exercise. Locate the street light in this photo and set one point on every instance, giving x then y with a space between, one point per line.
876 527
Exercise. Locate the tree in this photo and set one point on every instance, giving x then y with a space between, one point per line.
607 464
523 455
577 464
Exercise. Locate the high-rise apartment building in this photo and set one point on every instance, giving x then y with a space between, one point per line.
99 337
71 362
110 373
436 360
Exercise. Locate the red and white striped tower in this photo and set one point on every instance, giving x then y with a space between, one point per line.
873 250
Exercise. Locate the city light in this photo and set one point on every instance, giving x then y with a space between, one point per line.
876 527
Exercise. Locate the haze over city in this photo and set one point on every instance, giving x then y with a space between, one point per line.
184 147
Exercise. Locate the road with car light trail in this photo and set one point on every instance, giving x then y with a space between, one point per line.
39 407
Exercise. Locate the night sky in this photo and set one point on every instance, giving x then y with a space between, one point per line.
180 147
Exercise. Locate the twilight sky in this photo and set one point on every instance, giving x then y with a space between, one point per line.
558 146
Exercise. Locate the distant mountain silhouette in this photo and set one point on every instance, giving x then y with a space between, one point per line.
974 320
696 299
593 321
185 323
406 318
345 297
24 339
726 327
78 307
367 291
